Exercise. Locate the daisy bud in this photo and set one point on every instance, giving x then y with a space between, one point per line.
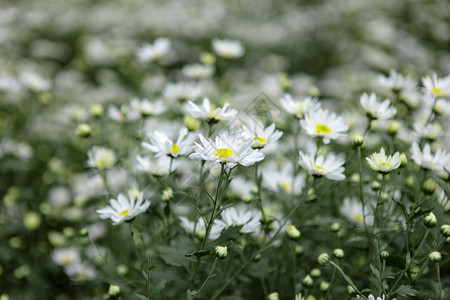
355 178
357 141
298 249
96 110
114 290
335 227
429 186
445 230
393 127
32 221
324 286
273 296
84 232
308 281
403 160
285 82
410 182
257 257
316 273
122 270
384 254
167 194
375 185
435 256
191 123
221 252
338 253
350 290
207 58
83 130
324 259
314 91
293 233
430 220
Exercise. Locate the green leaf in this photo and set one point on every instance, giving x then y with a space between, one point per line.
405 290
145 275
375 272
173 256
420 213
199 253
188 294
142 297
158 288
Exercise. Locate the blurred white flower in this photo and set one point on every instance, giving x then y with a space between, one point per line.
228 48
198 71
436 87
372 297
123 114
396 82
320 166
151 52
283 178
352 209
299 108
229 149
80 271
324 124
124 209
430 132
377 110
66 256
198 228
240 216
260 135
427 160
182 91
101 158
382 163
161 144
205 111
442 107
35 82
147 108
157 168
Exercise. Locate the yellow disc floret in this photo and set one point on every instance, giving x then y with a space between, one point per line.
175 149
321 128
224 153
124 213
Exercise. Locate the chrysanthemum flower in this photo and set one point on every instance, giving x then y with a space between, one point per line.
436 87
300 107
427 160
151 52
382 163
352 209
377 110
101 158
161 144
182 91
66 256
147 108
430 132
198 71
123 114
228 48
205 112
239 216
260 135
157 168
124 209
228 149
198 228
396 82
324 124
320 166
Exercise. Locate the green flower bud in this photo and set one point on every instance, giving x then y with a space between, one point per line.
338 253
207 58
335 227
324 286
357 141
221 252
393 127
84 232
4 297
83 130
430 220
32 221
167 194
273 296
316 273
293 233
114 290
410 182
354 178
403 160
324 259
298 249
435 256
429 186
285 82
384 254
122 270
191 123
314 91
68 232
308 281
445 230
96 110
257 257
375 185
350 290
22 271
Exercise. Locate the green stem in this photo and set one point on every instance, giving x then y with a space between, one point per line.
258 184
207 278
294 269
375 217
348 279
441 295
361 193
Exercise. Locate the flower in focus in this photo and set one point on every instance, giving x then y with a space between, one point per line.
260 135
301 107
161 144
151 52
382 163
320 166
238 216
427 160
124 209
324 124
206 113
228 48
377 110
436 87
101 158
147 108
229 149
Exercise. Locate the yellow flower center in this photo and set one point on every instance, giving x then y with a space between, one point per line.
65 261
319 168
358 217
384 164
124 213
321 128
438 92
224 153
260 139
287 186
175 148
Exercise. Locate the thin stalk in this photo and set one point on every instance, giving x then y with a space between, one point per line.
347 279
361 194
258 184
376 217
207 278
441 295
294 268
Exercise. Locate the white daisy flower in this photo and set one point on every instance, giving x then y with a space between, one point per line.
66 256
80 271
198 71
205 111
324 124
442 107
35 82
228 48
283 179
377 110
372 297
436 87
396 82
123 114
101 158
427 160
260 135
157 168
430 132
320 166
182 91
161 144
124 209
239 216
147 108
300 107
382 163
242 188
352 209
151 52
198 228
229 149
